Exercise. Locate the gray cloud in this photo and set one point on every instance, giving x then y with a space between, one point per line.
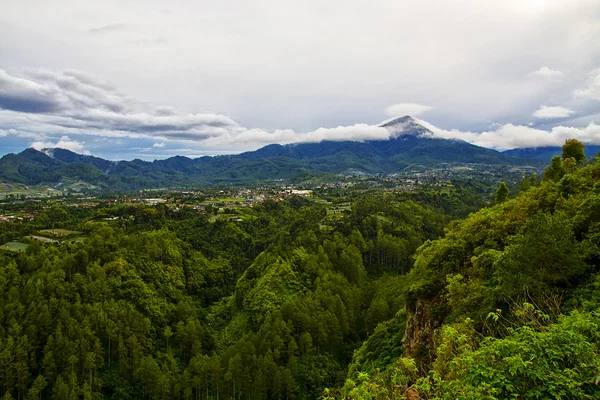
473 60
79 103
592 89
74 100
402 109
51 107
23 95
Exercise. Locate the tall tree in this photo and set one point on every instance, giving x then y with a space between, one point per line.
525 184
501 193
574 148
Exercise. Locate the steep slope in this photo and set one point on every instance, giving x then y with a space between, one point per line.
516 281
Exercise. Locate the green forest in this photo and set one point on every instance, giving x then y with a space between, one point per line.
427 294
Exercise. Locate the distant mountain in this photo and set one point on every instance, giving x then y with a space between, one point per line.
410 144
71 157
546 153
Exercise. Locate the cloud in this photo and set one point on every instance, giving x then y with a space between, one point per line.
76 103
63 143
511 136
402 109
358 132
25 95
73 104
592 90
305 78
550 112
550 74
108 28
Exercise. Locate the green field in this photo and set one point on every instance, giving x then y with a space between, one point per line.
14 246
61 232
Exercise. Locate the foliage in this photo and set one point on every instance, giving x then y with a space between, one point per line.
501 193
501 276
573 148
386 300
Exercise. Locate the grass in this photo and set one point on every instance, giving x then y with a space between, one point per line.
229 200
14 246
61 232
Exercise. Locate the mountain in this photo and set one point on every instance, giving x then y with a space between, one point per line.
70 157
410 144
546 153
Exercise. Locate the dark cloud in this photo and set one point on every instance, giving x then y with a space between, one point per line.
23 95
26 105
74 100
108 28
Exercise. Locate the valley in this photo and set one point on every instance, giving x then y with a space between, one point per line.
327 286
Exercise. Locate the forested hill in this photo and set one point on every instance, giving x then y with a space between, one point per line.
411 145
390 298
506 305
546 153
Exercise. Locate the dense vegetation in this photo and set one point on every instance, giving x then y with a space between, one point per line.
504 306
392 298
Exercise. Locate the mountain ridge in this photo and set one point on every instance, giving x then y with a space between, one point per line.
547 152
410 143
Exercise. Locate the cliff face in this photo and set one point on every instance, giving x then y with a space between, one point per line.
424 317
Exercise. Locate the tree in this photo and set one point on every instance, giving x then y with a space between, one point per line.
525 185
555 171
533 179
575 149
501 193
570 165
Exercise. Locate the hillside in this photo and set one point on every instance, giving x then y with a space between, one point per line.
546 153
391 298
492 309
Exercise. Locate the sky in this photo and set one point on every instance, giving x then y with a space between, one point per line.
152 79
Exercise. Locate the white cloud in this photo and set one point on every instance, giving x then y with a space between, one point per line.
402 109
158 145
358 132
63 143
550 112
592 91
511 136
550 74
